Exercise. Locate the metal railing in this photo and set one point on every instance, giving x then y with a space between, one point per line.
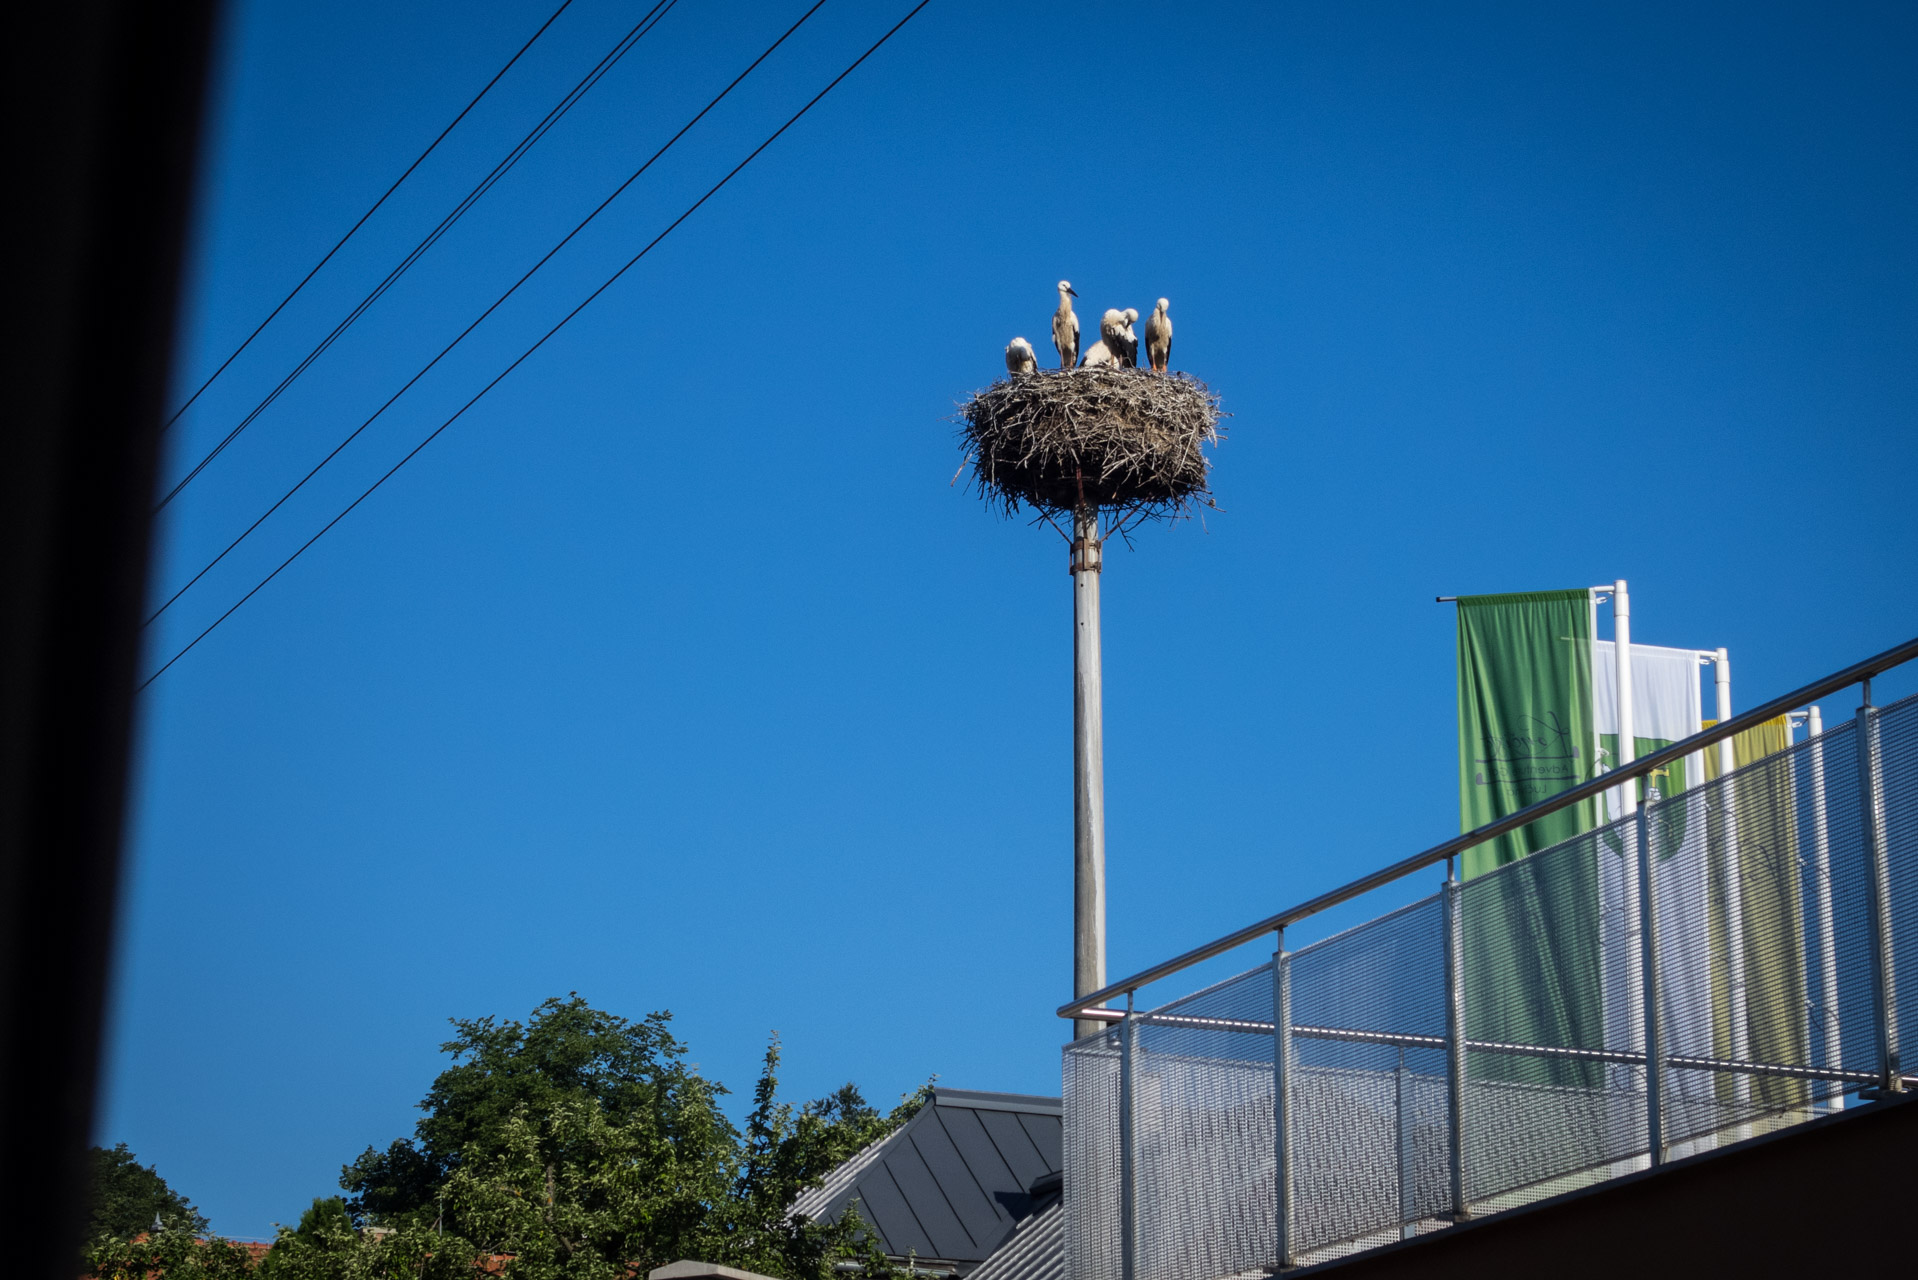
1722 961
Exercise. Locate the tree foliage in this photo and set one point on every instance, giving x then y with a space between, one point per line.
176 1252
582 1145
327 1245
127 1197
574 1146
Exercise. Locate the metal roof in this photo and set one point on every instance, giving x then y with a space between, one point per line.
952 1183
1036 1249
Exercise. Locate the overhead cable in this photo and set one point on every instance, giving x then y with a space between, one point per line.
513 157
525 355
418 160
497 302
478 320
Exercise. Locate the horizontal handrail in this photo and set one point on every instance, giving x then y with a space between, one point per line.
1515 1049
1858 671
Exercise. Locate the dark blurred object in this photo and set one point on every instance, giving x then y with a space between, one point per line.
106 128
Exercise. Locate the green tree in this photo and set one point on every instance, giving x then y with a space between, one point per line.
326 1219
175 1252
786 1151
128 1197
326 1245
634 1072
584 1146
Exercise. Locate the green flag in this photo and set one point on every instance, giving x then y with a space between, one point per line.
1531 935
1524 716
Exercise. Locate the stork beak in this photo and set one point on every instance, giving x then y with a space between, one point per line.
1073 292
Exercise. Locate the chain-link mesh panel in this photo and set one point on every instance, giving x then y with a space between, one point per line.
1089 1096
1761 964
1758 878
1551 952
1898 765
1369 1100
1204 1130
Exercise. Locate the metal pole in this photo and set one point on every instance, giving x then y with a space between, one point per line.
1648 965
1088 769
1884 987
1455 1043
1128 1151
1282 1094
1733 873
1408 1166
1627 791
1622 666
1821 890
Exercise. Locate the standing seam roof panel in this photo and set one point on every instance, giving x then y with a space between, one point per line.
996 1179
883 1204
1015 1146
983 1220
921 1189
1047 1134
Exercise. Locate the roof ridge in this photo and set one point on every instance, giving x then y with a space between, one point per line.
985 1100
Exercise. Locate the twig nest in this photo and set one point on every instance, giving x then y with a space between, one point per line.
1109 438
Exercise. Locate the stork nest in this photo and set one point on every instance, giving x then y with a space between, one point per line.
1059 439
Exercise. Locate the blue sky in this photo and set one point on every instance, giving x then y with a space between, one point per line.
677 674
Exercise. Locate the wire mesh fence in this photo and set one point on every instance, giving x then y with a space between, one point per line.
1495 1043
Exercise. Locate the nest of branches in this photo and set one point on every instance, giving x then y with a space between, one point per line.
1060 439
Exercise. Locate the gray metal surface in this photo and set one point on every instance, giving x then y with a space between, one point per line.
951 1183
1035 1250
1871 796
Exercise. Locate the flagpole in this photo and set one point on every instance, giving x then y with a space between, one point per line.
1734 887
1622 655
1638 1012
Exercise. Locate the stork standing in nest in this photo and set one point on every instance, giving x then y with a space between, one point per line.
1020 357
1065 327
1109 351
1158 337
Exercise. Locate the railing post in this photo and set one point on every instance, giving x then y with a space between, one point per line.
1884 986
1128 1151
1827 939
1654 1037
1408 1152
1282 1095
1455 1045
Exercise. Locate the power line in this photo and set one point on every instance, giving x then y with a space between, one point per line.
564 320
497 302
513 157
364 216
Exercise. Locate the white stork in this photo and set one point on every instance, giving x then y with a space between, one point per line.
1129 351
1019 357
1065 327
1158 337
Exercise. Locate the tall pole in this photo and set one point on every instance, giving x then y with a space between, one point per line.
1622 666
1884 985
1821 884
1734 877
1627 793
1088 770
